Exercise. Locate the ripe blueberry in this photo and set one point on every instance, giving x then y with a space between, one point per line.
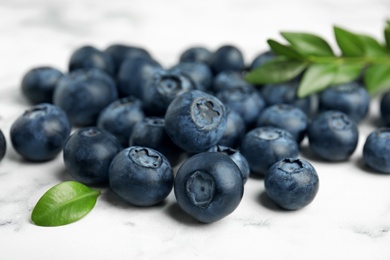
376 150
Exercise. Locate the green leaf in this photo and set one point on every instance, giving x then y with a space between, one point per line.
372 47
308 44
284 50
387 35
64 203
350 43
377 78
346 73
276 71
316 78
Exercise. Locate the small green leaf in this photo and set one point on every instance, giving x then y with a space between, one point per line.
387 36
350 43
308 44
276 71
377 78
64 203
372 47
347 73
284 50
316 78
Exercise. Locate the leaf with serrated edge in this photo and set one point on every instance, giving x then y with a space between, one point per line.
350 44
276 71
63 204
346 73
316 78
308 44
284 50
377 78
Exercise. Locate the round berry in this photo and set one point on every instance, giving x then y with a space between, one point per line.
196 54
3 145
385 108
376 150
226 58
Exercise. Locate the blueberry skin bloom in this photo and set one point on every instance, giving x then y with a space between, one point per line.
141 176
287 117
208 186
376 150
237 158
264 146
333 136
83 94
199 72
88 57
88 153
38 84
385 108
40 132
196 54
291 183
350 98
228 79
3 145
195 121
226 58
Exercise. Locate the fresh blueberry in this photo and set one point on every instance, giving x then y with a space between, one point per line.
38 84
133 73
141 176
286 93
40 132
291 183
287 117
195 54
162 88
83 94
226 58
245 100
350 98
333 136
376 150
261 59
208 186
195 121
237 158
3 145
120 117
234 131
264 146
151 133
228 79
88 57
88 154
385 108
198 72
121 52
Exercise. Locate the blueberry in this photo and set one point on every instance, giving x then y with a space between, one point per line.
228 79
385 108
3 145
40 132
162 88
287 117
120 117
286 93
195 121
141 176
38 84
237 158
291 183
195 54
225 58
261 59
264 146
198 72
151 132
234 131
133 73
333 136
376 150
121 52
244 100
88 153
88 57
350 98
83 94
208 186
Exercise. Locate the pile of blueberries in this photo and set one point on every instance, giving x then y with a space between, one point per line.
135 121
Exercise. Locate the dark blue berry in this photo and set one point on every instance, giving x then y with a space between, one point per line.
385 108
196 54
261 59
234 131
376 150
3 145
198 72
228 79
227 58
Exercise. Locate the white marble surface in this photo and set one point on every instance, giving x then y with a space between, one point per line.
349 219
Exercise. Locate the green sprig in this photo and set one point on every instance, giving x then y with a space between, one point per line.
361 56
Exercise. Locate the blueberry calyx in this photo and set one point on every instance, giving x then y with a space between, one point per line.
226 150
90 132
340 122
36 112
201 188
145 157
291 166
154 121
169 86
267 135
206 113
